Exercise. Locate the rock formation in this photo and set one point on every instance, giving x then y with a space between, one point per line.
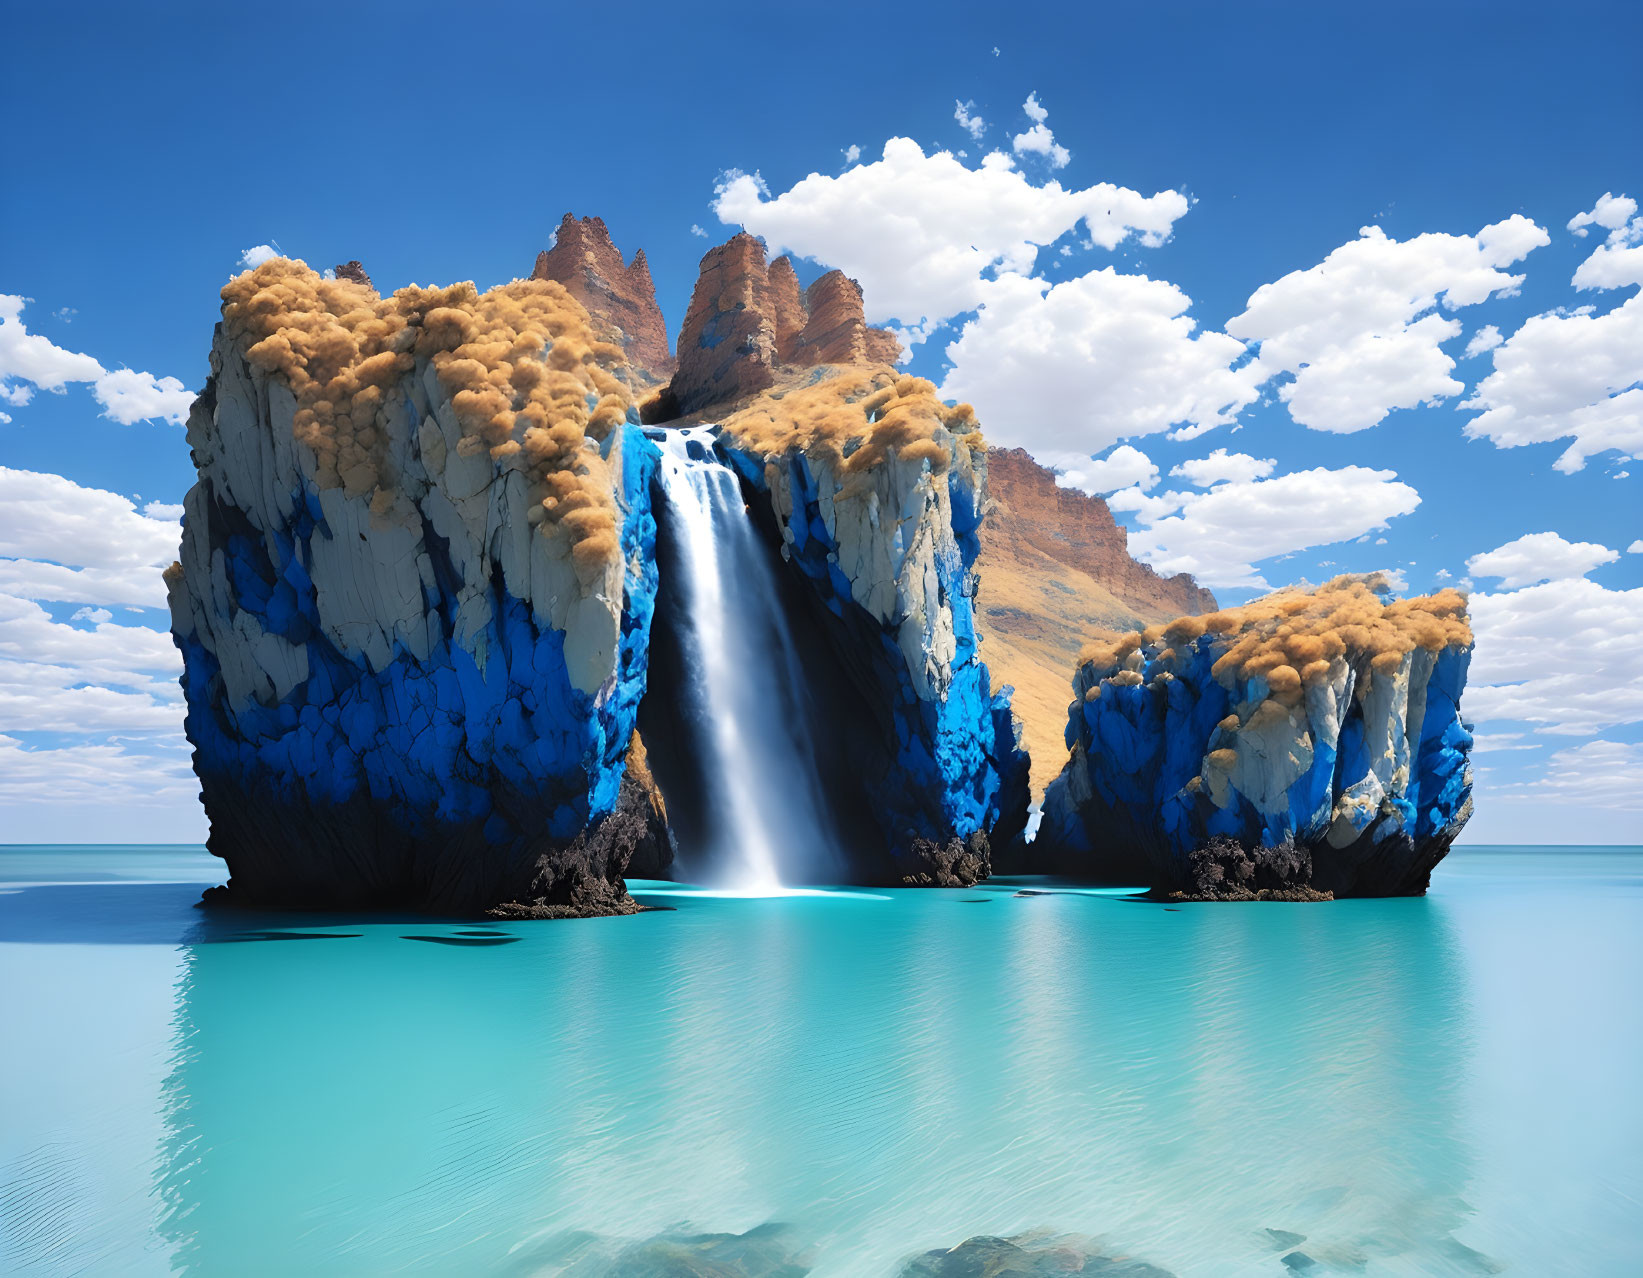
414 597
1326 719
355 272
1055 569
876 490
620 297
747 320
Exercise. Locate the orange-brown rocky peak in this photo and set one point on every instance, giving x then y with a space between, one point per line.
747 320
619 296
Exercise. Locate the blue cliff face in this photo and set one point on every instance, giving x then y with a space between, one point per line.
888 553
406 686
1327 725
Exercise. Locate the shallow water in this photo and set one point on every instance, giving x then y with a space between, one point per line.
1430 1086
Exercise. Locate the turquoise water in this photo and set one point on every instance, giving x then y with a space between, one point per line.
1430 1086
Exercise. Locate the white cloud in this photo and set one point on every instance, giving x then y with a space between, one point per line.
127 396
1611 213
1354 330
257 254
1124 467
98 548
1485 339
101 775
971 123
1039 139
1602 774
697 230
1616 264
56 677
95 616
920 232
163 510
33 358
1537 557
1074 368
1572 375
1563 655
1220 535
1636 548
1220 466
1395 579
852 153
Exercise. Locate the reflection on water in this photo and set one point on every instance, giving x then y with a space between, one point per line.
1208 1089
886 1076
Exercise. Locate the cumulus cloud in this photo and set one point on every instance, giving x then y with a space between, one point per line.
971 123
1563 655
1611 212
1538 557
922 233
1600 774
1221 466
1221 534
1039 139
1124 467
852 153
1076 367
128 396
1636 548
56 677
62 541
29 361
1571 374
1354 331
1485 339
101 774
253 257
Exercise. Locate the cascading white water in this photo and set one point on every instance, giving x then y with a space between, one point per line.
767 822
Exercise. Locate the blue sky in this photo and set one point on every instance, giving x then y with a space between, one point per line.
1244 146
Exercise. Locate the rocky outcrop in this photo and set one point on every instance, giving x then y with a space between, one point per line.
619 296
873 490
414 598
355 272
1329 719
748 321
1055 569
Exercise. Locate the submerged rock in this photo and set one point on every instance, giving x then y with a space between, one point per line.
414 598
1327 723
1032 1255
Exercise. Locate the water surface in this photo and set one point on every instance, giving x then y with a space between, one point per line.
1429 1086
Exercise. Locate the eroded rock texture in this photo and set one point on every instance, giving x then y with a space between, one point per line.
1327 719
414 598
748 320
1055 569
619 296
876 491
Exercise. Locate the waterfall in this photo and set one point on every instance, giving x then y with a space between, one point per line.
766 821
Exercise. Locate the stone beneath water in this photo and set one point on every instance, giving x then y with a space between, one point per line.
766 1251
1325 722
1027 1256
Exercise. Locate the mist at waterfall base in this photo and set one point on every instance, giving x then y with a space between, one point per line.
1427 1086
751 817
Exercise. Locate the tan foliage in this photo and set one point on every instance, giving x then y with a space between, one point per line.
855 420
1291 637
529 383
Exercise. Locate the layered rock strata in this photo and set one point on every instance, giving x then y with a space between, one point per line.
748 321
1326 719
876 490
1055 569
414 598
619 296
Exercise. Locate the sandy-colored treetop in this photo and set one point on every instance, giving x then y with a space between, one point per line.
528 381
1292 636
854 420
